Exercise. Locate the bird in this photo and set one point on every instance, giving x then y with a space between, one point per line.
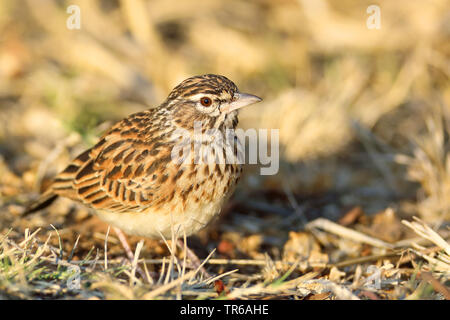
131 177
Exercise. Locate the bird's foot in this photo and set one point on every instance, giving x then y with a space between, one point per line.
195 261
130 254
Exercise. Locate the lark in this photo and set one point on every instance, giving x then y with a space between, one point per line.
132 178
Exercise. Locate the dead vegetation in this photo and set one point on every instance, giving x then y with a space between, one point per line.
360 208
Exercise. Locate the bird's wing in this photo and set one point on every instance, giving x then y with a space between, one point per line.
127 170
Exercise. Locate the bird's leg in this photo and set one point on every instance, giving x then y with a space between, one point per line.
194 259
130 254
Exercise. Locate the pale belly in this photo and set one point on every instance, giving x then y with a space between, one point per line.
152 224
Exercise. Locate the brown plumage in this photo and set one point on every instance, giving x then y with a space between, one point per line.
131 177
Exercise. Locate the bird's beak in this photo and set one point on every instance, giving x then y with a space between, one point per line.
240 100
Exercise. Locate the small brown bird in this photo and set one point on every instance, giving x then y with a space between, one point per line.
131 178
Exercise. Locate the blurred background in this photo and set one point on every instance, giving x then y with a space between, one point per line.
363 113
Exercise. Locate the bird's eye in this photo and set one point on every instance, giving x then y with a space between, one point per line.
205 101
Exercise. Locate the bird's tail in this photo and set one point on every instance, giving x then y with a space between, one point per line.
43 202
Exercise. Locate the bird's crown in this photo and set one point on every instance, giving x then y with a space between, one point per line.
211 84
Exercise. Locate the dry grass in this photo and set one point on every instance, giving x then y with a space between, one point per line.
364 133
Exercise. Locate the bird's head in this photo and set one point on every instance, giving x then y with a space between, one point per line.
211 98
